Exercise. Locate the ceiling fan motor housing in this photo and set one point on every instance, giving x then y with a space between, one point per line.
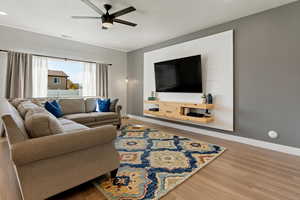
107 19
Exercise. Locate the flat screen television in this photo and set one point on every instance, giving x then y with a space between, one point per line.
179 75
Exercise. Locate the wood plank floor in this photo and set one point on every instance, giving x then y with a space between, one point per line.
243 172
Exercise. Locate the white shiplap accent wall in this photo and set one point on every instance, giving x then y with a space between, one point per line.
217 69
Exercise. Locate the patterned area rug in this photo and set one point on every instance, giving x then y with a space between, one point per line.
153 163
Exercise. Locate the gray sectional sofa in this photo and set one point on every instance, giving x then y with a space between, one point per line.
83 111
52 155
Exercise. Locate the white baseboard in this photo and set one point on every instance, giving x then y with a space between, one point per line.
258 143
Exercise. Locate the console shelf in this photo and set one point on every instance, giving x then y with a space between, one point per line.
176 111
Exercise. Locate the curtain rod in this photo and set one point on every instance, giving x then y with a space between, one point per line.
60 58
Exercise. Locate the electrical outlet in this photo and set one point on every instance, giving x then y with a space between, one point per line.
273 134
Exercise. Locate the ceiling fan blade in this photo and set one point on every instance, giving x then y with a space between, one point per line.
104 28
124 11
93 6
85 17
124 22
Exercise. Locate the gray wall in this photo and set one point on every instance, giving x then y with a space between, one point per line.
24 41
267 73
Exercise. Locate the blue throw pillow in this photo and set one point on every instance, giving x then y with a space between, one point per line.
104 105
54 108
56 104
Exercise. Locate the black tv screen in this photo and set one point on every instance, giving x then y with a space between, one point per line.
180 75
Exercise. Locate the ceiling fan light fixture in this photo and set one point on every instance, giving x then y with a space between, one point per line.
107 24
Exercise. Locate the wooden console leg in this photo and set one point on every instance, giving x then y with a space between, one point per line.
113 173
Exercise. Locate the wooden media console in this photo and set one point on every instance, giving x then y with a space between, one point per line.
178 111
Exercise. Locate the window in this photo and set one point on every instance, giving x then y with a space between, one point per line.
64 78
56 80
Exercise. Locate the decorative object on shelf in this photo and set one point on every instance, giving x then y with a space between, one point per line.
203 99
209 99
153 96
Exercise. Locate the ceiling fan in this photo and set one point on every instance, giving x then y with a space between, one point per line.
107 19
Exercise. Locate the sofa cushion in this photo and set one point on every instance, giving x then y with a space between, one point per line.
16 102
113 105
54 108
63 121
90 105
39 123
104 105
73 127
18 120
99 116
80 117
72 106
23 107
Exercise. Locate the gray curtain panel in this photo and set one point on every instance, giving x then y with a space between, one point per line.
102 80
19 75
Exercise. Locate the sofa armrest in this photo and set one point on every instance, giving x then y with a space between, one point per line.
51 146
118 109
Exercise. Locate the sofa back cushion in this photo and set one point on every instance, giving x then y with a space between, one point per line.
113 105
16 102
40 122
24 106
91 105
17 122
72 106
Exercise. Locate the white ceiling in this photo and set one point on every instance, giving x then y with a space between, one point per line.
158 20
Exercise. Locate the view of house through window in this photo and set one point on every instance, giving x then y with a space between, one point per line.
64 78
